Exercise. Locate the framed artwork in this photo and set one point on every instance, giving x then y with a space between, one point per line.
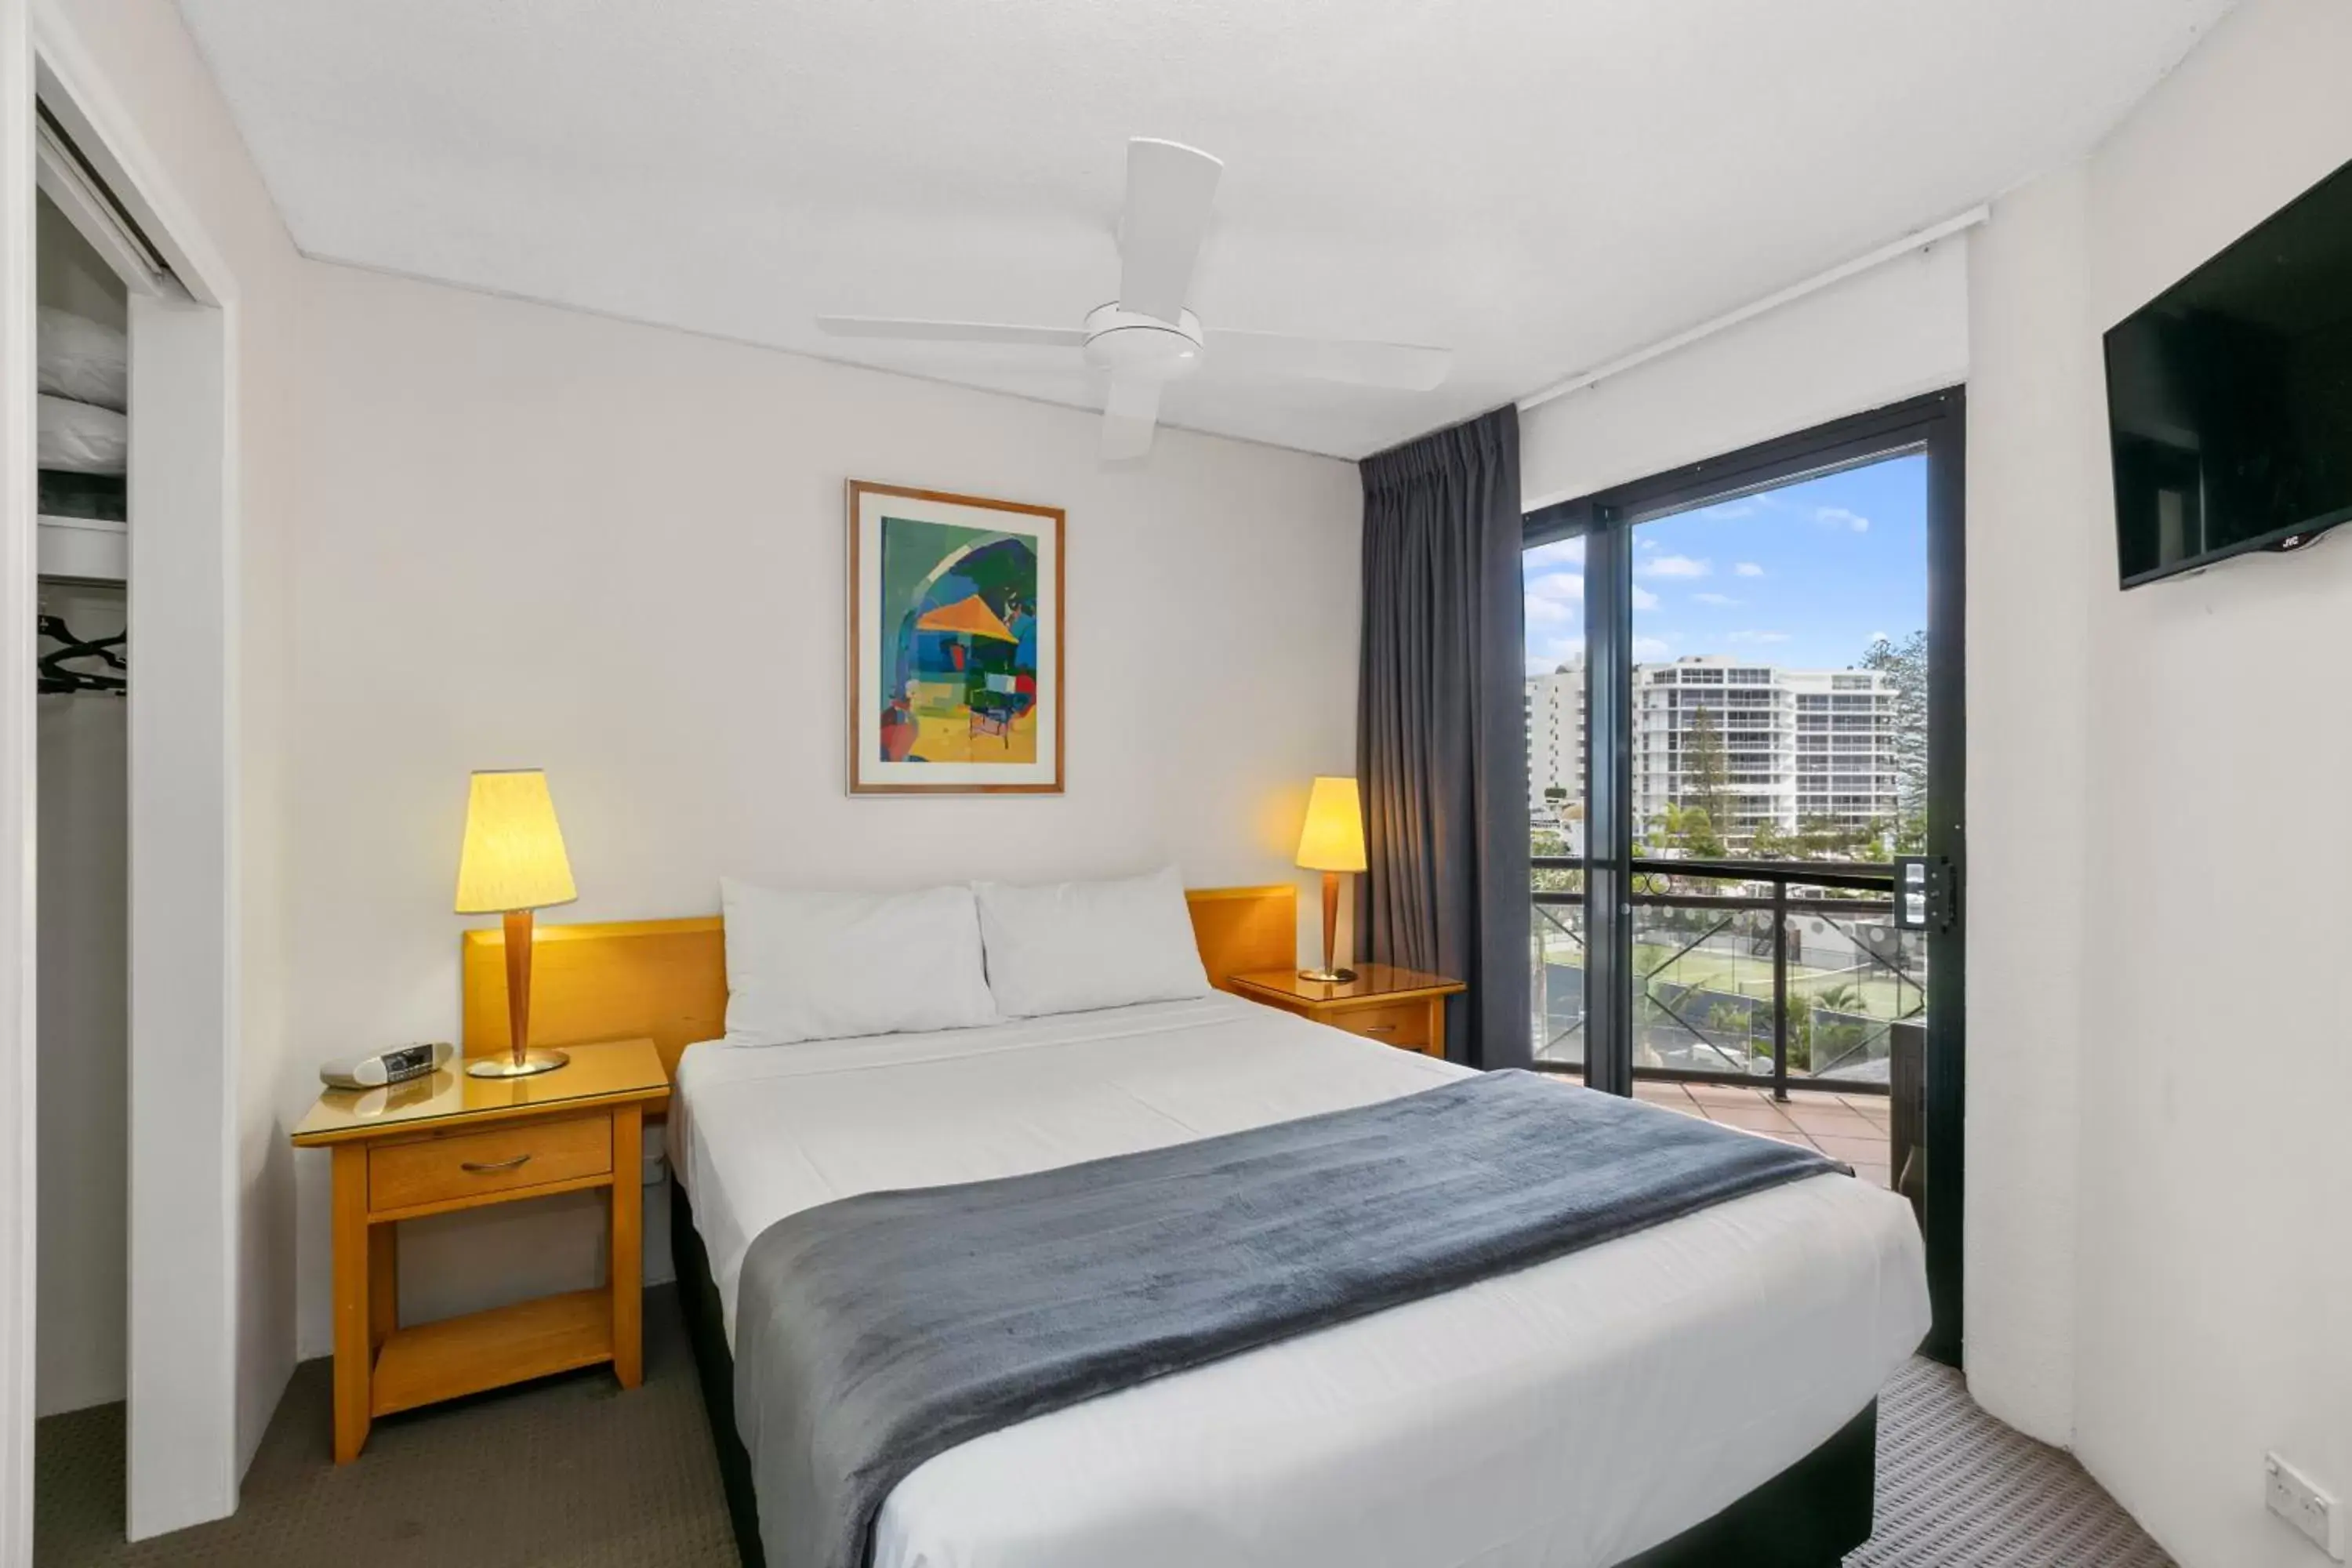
955 644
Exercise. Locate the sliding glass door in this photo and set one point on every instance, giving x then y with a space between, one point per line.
1559 802
1743 697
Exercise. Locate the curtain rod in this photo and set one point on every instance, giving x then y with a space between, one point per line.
1919 241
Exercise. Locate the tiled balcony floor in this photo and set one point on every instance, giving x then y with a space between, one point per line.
1848 1127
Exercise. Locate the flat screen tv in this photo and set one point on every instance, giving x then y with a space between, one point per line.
2229 397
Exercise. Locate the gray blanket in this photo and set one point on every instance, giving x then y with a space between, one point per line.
874 1332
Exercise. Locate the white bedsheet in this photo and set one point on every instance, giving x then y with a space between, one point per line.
1569 1414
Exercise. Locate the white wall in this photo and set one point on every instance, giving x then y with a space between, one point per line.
2037 436
542 538
1892 333
2207 1171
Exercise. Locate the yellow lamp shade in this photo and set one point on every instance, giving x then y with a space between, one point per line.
1333 838
513 858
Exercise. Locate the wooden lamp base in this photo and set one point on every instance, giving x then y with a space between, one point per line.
521 1061
1331 973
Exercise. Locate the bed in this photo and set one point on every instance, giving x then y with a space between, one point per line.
1702 1392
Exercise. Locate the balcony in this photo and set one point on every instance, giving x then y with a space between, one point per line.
1776 996
1856 1129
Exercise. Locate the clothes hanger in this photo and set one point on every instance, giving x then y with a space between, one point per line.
55 679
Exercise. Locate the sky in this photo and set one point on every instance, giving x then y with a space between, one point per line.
1804 576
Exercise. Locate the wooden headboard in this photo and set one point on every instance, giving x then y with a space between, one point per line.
667 979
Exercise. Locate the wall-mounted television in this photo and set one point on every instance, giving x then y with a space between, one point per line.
2229 397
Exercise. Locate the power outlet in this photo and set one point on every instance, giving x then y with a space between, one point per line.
2296 1499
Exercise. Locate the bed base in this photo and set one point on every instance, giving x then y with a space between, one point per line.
706 1331
1808 1516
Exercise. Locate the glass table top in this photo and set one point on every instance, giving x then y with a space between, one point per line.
615 1069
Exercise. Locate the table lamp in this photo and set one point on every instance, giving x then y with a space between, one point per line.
1332 842
513 863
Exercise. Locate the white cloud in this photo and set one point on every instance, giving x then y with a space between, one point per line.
1644 599
1838 517
1559 587
1720 600
1549 654
1758 637
1559 553
1546 612
1673 566
1749 569
1730 511
1651 648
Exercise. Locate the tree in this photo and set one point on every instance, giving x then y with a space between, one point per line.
1906 666
1911 833
1827 839
1836 1027
1545 842
1686 831
1844 996
1707 769
1820 839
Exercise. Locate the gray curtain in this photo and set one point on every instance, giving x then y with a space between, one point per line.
1440 730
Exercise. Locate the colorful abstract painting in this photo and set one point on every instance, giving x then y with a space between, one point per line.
955 646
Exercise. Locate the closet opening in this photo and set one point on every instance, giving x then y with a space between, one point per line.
81 902
133 1415
82 841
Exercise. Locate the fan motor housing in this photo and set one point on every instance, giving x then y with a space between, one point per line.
1129 345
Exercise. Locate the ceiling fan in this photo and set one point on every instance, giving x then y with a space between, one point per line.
1146 338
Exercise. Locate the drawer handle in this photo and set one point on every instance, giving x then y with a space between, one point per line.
479 1169
1380 1028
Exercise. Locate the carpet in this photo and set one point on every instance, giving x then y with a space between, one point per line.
1959 1489
568 1471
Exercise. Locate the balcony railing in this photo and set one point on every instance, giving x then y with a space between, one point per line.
1745 972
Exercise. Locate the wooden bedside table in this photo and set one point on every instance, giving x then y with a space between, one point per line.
1402 1007
448 1142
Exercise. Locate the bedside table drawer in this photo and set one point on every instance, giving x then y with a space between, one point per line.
1405 1024
496 1159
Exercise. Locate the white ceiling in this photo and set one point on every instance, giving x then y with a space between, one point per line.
1540 183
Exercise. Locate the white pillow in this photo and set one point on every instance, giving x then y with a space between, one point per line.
822 966
86 361
82 437
1080 945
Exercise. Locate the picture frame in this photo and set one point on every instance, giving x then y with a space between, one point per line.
956 644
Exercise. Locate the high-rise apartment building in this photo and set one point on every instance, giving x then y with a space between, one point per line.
1556 739
1799 745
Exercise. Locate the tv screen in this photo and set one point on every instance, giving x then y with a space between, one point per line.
2229 397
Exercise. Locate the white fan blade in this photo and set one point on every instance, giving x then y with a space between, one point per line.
950 332
1169 189
1128 419
1406 367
